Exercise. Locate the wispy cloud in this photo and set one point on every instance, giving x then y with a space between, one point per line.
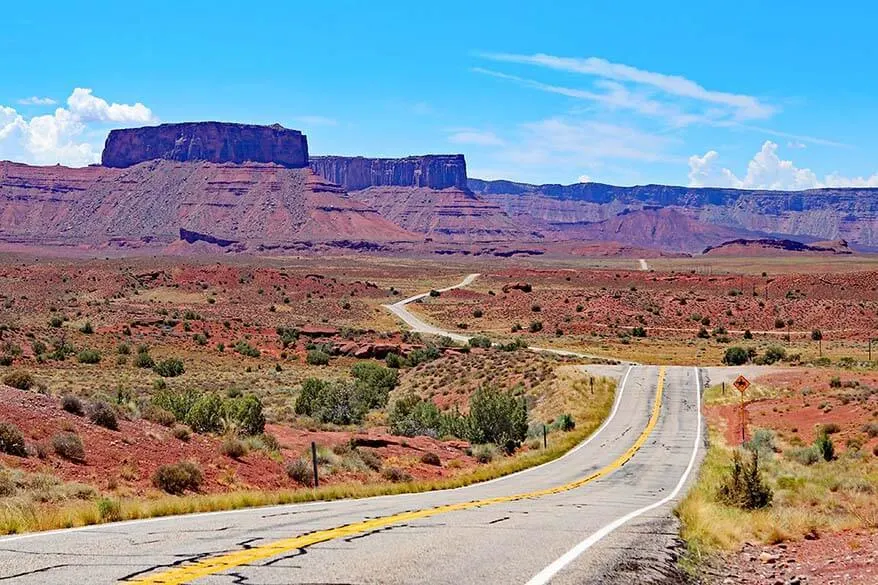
421 109
316 121
37 101
474 136
745 106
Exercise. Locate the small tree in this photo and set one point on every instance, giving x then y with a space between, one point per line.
736 356
497 417
824 446
744 487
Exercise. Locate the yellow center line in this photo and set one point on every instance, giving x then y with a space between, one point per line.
220 563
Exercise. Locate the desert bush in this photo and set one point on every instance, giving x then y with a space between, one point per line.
497 417
736 356
430 458
772 355
206 414
143 360
69 446
38 347
484 453
744 486
123 349
638 332
56 321
102 414
825 447
340 403
89 356
308 393
371 459
480 341
178 402
835 382
169 368
394 360
803 455
478 313
535 326
410 416
200 338
830 428
422 355
11 440
316 357
109 510
763 442
181 432
87 328
19 379
72 404
233 447
244 348
300 471
177 478
395 475
374 382
748 334
157 414
566 423
434 293
871 429
245 414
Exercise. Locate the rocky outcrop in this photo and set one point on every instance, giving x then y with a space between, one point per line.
771 247
433 171
217 142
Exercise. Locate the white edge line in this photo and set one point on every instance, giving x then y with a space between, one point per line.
6 539
549 572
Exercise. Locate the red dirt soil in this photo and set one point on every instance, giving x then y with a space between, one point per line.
139 447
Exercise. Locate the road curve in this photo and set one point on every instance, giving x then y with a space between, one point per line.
582 518
418 325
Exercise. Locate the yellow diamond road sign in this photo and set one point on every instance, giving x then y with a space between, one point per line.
741 383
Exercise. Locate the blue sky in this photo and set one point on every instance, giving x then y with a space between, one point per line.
752 94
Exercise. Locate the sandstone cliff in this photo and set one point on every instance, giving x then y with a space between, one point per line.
433 171
206 141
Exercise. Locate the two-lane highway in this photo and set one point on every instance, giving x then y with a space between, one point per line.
569 521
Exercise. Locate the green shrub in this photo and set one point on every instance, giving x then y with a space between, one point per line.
497 417
69 446
371 459
178 402
566 423
830 428
19 379
535 326
206 414
803 455
143 360
340 403
169 368
395 475
177 478
102 414
478 313
11 440
410 416
763 442
200 338
245 349
56 321
374 382
748 334
310 390
772 355
288 336
871 429
638 332
316 357
479 341
87 328
301 471
72 404
157 414
109 510
736 356
825 447
744 487
89 356
39 348
123 349
245 414
394 360
234 448
422 355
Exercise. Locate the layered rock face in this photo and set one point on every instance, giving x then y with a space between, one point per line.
433 171
216 142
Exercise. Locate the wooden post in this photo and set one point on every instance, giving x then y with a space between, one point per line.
314 460
545 437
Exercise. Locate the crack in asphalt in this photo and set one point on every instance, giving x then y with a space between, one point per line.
34 572
183 559
499 520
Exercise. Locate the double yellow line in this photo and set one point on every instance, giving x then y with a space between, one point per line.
218 564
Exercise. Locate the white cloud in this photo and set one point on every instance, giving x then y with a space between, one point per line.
37 101
58 137
476 137
766 170
584 179
796 144
744 106
316 121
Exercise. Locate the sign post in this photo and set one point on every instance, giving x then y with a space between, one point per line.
742 383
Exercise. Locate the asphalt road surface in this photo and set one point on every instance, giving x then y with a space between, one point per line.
583 518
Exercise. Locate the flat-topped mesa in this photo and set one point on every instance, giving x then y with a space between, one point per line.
217 142
434 171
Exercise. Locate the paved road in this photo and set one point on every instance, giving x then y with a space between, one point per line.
567 528
418 325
